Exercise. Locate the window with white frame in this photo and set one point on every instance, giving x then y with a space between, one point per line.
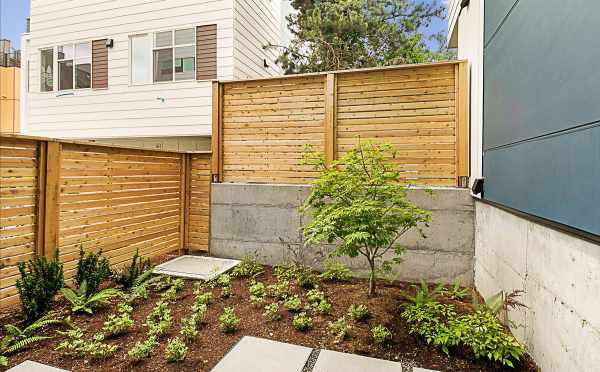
74 66
47 70
173 56
140 47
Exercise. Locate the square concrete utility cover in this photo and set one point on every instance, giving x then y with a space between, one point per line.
332 361
260 355
196 267
29 366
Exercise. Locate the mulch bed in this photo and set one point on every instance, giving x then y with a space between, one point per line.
211 344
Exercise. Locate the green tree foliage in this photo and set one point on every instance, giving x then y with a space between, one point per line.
359 202
346 34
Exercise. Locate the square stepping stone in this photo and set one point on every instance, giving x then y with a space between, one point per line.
261 355
333 361
30 366
196 267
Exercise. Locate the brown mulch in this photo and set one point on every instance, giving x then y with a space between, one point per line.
211 345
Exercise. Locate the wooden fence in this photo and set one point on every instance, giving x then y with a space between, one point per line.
60 194
260 126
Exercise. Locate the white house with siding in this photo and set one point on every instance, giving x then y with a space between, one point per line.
140 71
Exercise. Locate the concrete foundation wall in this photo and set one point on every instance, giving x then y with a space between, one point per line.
560 275
264 219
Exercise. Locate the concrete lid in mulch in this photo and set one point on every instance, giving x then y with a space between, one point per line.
196 267
332 361
30 366
262 355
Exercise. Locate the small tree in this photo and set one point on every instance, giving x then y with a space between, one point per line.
360 203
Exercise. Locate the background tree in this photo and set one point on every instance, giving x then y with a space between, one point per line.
346 34
359 203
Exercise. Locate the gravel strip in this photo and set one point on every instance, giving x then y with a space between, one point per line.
312 360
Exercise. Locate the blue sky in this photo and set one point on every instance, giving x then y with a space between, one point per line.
14 12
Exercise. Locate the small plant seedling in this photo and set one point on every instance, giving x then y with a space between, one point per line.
175 351
339 329
228 321
248 268
285 272
306 278
257 289
198 312
335 271
322 307
3 361
293 304
358 312
223 280
456 292
314 296
117 325
381 335
142 349
169 295
302 322
271 313
204 298
124 308
99 350
281 290
188 328
257 301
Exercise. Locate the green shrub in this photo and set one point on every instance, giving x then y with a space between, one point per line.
257 301
3 361
257 289
280 290
40 280
322 307
79 301
198 312
306 278
285 272
228 322
223 280
381 335
271 313
339 329
92 269
16 338
143 349
335 271
138 271
314 296
175 350
358 312
248 268
302 322
428 319
204 298
188 328
117 325
293 304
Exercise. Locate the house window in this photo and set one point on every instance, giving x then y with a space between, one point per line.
47 70
174 55
141 59
74 66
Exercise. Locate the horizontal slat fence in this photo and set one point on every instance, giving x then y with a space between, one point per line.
59 194
262 125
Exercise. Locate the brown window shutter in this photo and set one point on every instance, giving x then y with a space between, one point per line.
99 64
206 52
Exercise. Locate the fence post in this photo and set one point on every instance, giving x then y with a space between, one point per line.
51 190
462 123
216 137
330 117
40 213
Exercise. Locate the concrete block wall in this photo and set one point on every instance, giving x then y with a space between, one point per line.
263 220
560 275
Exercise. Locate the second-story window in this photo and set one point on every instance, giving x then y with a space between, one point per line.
74 66
174 55
47 70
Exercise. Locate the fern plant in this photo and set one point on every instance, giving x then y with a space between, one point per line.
138 271
17 338
80 302
40 280
92 269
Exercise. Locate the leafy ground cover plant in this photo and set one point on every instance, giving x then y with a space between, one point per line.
138 271
40 280
142 349
423 294
293 304
75 345
360 201
159 320
92 269
455 292
248 268
339 329
188 328
175 351
285 272
358 312
226 292
314 296
306 278
198 312
335 271
302 322
79 301
16 338
271 313
381 335
280 290
224 280
204 298
257 289
228 321
96 349
3 361
323 307
117 325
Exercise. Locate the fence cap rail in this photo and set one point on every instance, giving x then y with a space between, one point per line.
92 143
349 71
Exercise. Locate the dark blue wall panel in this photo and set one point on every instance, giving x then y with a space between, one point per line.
542 80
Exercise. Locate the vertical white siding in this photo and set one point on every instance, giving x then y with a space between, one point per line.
123 110
256 23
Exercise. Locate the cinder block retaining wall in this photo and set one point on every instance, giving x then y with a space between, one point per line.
255 218
560 277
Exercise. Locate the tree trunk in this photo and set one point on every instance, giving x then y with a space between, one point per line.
372 278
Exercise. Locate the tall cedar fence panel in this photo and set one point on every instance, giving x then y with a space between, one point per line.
261 126
63 195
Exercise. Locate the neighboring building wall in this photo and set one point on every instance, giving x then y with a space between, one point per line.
256 23
9 99
262 220
560 277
